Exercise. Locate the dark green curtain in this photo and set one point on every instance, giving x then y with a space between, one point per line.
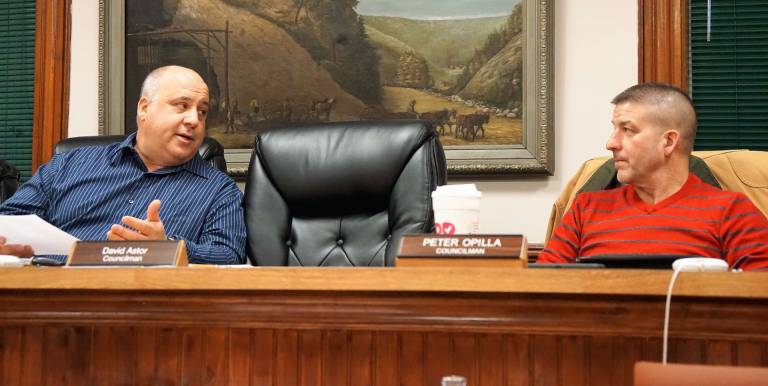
729 73
17 81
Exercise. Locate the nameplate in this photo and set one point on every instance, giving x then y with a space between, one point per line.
128 253
463 250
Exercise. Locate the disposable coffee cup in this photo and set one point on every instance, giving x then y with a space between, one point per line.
457 209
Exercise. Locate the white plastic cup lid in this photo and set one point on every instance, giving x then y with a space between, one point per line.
461 190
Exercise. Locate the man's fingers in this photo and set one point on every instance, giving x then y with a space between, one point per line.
149 229
153 211
111 236
19 250
26 251
125 233
136 223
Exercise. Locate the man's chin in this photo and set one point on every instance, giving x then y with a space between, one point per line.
182 156
623 177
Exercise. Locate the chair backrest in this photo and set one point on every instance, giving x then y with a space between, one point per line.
657 374
734 170
9 180
211 150
340 194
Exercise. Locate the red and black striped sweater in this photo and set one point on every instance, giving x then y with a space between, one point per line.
698 220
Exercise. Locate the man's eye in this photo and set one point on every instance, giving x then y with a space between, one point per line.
203 112
181 106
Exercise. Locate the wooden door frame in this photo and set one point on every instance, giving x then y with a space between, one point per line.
662 50
51 96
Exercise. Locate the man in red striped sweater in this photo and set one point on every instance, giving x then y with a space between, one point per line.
661 208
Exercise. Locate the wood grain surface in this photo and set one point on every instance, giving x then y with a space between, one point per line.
363 327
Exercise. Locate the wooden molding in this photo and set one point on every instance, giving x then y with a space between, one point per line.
663 42
51 98
750 286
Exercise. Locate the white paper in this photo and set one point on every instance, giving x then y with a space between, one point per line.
44 238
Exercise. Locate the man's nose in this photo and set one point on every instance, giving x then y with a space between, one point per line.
612 143
191 117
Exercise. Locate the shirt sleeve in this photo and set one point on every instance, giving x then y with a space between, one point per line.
34 196
744 235
565 243
222 240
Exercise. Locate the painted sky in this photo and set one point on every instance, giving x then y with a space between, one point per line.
436 9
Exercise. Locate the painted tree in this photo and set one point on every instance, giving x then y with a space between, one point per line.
412 71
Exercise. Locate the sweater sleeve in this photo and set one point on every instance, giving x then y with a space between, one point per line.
565 243
744 235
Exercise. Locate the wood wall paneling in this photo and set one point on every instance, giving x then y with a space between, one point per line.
64 355
201 335
51 95
663 42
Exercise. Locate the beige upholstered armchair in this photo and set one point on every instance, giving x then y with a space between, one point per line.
735 170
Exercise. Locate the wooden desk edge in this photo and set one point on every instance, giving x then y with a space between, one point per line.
751 285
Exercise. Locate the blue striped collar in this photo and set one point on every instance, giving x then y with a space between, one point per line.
196 165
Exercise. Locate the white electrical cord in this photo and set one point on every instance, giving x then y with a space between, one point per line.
689 264
666 315
709 19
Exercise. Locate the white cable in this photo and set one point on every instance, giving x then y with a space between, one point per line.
666 316
689 264
709 19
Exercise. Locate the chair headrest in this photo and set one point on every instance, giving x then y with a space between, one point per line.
208 148
211 150
311 164
72 143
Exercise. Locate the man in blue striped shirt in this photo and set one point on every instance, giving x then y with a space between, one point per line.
151 186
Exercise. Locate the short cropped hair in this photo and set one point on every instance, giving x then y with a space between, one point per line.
672 108
149 86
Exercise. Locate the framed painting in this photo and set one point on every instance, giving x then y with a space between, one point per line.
481 71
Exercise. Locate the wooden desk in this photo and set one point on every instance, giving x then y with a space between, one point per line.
282 326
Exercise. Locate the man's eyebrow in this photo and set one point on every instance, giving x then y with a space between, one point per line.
188 99
621 122
181 99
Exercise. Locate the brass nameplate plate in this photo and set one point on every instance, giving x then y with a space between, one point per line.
128 253
463 250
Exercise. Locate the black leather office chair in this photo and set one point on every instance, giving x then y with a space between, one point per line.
340 194
9 180
211 150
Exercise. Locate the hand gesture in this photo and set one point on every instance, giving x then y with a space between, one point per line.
19 250
138 229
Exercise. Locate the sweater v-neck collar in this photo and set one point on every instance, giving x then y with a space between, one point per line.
636 202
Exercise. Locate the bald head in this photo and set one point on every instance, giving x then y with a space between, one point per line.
152 81
170 117
670 109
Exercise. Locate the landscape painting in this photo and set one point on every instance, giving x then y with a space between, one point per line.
458 64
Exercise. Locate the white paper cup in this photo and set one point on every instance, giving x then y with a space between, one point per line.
456 214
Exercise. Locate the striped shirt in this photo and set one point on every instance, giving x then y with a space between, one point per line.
86 190
698 220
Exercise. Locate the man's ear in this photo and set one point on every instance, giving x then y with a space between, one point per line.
671 141
141 108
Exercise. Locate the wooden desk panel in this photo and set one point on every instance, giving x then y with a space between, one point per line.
281 326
